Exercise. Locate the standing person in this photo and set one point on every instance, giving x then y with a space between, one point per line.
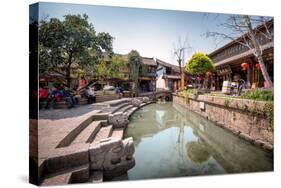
90 95
82 83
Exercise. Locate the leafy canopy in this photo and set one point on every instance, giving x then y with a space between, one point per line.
199 64
113 69
134 60
72 40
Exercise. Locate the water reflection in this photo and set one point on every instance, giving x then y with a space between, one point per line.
171 142
197 152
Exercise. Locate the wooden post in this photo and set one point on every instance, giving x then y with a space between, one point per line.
175 86
249 75
182 80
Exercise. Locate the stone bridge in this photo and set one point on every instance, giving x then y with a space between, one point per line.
165 94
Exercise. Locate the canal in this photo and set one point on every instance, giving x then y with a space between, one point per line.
173 142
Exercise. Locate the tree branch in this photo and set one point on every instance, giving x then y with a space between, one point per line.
225 36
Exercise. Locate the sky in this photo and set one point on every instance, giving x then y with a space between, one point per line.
152 32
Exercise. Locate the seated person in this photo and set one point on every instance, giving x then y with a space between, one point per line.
43 94
90 95
55 96
67 96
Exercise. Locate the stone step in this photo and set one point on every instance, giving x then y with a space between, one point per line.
122 105
61 159
74 175
121 178
118 102
100 116
117 133
126 108
143 104
104 132
88 133
68 139
61 179
131 111
102 98
96 177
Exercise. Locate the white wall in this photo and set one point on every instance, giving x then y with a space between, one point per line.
160 82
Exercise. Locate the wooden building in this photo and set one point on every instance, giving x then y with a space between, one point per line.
147 75
168 76
229 58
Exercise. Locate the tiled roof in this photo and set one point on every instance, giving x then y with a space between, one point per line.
165 64
149 61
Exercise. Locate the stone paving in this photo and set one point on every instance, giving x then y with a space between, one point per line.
56 114
55 124
63 144
51 132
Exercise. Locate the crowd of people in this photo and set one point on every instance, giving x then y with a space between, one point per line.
58 93
55 93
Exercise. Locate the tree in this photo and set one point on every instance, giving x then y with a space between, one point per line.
134 60
112 69
245 30
179 50
117 65
199 65
100 70
72 41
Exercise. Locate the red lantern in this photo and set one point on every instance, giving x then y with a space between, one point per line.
257 66
244 66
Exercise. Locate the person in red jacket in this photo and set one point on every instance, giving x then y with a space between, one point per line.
82 83
43 95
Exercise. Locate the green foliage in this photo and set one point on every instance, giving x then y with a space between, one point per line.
257 94
112 69
226 102
186 93
116 66
269 112
78 73
100 70
199 64
74 39
134 60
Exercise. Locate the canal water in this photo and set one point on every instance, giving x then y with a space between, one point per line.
172 142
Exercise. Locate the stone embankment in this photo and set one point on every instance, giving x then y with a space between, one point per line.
249 119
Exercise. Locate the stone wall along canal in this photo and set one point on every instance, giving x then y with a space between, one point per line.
171 142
